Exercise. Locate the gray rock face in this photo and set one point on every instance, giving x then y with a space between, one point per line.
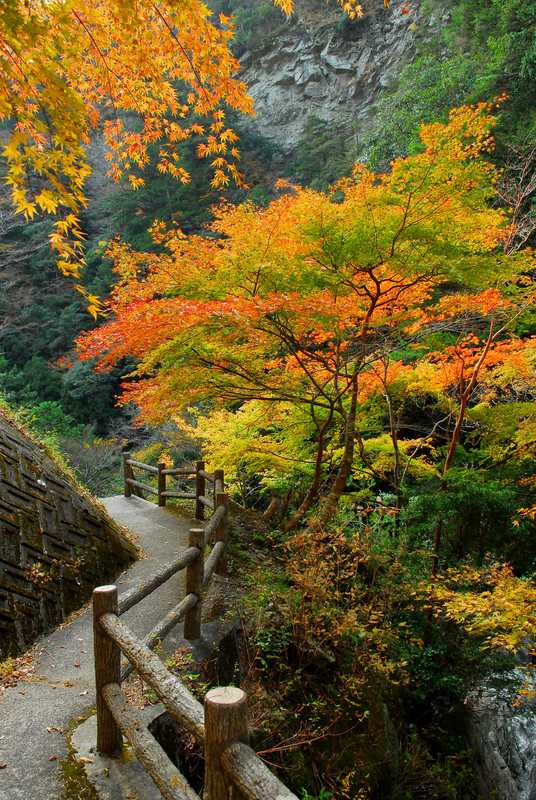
321 65
503 736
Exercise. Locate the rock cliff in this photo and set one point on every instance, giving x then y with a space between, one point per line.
502 732
321 64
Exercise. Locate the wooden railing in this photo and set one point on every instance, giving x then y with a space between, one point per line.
203 480
232 768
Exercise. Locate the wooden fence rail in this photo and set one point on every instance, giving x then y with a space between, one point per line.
232 768
134 595
202 498
172 784
132 485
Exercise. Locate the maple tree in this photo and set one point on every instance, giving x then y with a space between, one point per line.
309 303
144 72
487 367
502 614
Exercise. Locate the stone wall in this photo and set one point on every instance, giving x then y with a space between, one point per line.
56 544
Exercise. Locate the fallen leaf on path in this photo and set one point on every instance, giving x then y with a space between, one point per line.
76 664
53 758
3 766
21 669
52 729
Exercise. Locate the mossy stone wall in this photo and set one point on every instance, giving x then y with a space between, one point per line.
56 543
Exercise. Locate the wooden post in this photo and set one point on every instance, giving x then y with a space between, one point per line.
219 484
161 485
107 670
194 585
127 473
199 490
226 721
220 499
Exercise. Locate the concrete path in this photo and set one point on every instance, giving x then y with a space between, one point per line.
62 686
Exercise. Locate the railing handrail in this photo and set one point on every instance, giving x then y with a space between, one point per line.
222 724
133 596
162 628
179 471
140 485
236 761
217 518
171 691
142 465
172 783
251 776
209 476
206 500
212 562
202 499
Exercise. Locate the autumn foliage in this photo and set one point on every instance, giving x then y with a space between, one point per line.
143 73
361 362
392 286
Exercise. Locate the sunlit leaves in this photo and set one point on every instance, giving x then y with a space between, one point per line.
143 73
492 604
284 304
352 8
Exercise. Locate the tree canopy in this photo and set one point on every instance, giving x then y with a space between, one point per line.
146 73
390 286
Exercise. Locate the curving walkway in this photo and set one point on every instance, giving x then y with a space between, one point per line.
34 713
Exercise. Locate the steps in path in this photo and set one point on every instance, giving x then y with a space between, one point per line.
62 685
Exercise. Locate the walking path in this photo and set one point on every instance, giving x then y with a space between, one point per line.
34 713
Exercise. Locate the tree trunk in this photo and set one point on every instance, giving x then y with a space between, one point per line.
273 507
286 502
311 495
455 438
329 503
304 506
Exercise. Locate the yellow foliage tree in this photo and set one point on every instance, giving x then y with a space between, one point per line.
146 73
